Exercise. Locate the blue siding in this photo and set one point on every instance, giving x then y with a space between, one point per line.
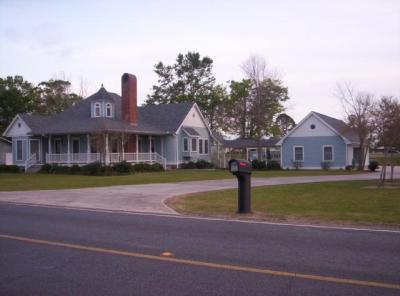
194 156
313 151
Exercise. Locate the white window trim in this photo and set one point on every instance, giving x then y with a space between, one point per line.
94 110
72 144
191 146
109 105
22 150
323 153
54 142
294 153
183 145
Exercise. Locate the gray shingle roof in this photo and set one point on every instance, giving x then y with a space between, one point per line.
158 119
191 131
250 143
340 127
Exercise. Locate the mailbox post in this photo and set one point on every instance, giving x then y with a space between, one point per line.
242 170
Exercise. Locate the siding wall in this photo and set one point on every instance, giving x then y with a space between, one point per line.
313 151
4 148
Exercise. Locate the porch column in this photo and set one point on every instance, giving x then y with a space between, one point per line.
48 158
87 148
151 154
68 150
107 156
137 148
122 147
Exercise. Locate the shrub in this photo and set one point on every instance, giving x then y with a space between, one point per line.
9 168
46 169
273 165
156 167
326 165
188 165
142 167
75 169
203 164
297 164
60 169
92 169
349 167
258 164
122 167
373 165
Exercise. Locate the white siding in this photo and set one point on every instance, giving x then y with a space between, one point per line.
350 154
18 129
305 130
193 119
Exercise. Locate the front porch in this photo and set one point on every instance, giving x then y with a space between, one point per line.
81 149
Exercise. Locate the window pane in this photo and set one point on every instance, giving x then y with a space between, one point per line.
201 146
298 153
19 150
328 155
185 144
194 144
206 146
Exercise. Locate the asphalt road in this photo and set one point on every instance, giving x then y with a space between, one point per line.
50 251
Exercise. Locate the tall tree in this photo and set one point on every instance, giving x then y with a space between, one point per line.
283 124
255 101
359 110
16 96
387 123
189 79
56 96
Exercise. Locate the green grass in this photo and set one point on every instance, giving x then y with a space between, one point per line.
16 182
348 201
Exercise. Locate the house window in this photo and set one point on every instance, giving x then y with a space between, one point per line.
185 145
327 153
19 150
298 153
108 110
205 146
200 146
194 145
97 110
57 146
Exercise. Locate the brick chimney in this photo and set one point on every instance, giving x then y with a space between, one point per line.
129 98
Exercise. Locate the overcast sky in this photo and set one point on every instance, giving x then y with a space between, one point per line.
312 44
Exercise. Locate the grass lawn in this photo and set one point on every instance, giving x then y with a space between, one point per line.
16 182
348 201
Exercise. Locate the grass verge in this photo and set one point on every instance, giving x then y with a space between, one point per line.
17 182
338 202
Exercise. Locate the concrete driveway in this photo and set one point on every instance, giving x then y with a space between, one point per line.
150 197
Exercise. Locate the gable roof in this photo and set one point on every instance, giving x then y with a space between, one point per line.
157 119
337 126
241 143
5 140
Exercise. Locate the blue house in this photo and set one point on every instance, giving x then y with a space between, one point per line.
110 128
319 139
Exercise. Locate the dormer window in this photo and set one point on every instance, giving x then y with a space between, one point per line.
97 110
108 110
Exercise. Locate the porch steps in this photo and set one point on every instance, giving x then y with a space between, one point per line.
34 168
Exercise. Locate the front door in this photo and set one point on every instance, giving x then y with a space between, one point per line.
34 148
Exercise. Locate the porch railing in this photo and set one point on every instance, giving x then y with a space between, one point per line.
31 160
82 158
74 158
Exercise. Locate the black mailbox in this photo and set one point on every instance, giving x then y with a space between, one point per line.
242 170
